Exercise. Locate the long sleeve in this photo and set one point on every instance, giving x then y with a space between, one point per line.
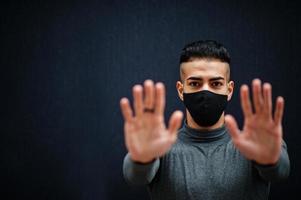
277 172
137 173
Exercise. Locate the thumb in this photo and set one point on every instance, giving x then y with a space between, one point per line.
232 127
175 123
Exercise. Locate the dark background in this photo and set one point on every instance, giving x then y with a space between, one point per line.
64 67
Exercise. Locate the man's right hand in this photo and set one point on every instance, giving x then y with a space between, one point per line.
146 135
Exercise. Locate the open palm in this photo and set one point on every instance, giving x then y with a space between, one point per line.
261 137
146 135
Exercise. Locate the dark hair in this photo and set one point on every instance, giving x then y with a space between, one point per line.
205 49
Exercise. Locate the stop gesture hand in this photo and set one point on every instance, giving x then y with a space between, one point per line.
261 137
146 135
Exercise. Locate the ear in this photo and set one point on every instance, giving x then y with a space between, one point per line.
180 89
230 89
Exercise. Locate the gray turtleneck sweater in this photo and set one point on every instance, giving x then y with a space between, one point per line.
205 166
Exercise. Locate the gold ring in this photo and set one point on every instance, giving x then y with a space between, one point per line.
150 110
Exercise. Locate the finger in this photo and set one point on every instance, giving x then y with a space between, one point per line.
175 123
257 95
245 101
267 99
126 110
160 99
279 110
138 102
149 94
232 127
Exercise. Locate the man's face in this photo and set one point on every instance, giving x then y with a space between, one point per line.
205 74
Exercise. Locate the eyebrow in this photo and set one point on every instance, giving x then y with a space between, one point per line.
217 78
211 79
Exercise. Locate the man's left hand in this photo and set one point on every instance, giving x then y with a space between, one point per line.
261 137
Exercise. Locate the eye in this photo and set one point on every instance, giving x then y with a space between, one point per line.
217 84
194 84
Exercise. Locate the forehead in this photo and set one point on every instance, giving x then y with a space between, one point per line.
205 68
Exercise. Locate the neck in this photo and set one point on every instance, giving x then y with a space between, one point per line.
192 124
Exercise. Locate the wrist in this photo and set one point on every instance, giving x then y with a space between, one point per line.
266 163
142 160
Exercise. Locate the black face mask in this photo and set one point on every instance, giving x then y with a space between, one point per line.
205 107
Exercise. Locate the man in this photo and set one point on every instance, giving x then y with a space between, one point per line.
204 159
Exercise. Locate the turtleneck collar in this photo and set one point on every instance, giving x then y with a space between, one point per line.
194 135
